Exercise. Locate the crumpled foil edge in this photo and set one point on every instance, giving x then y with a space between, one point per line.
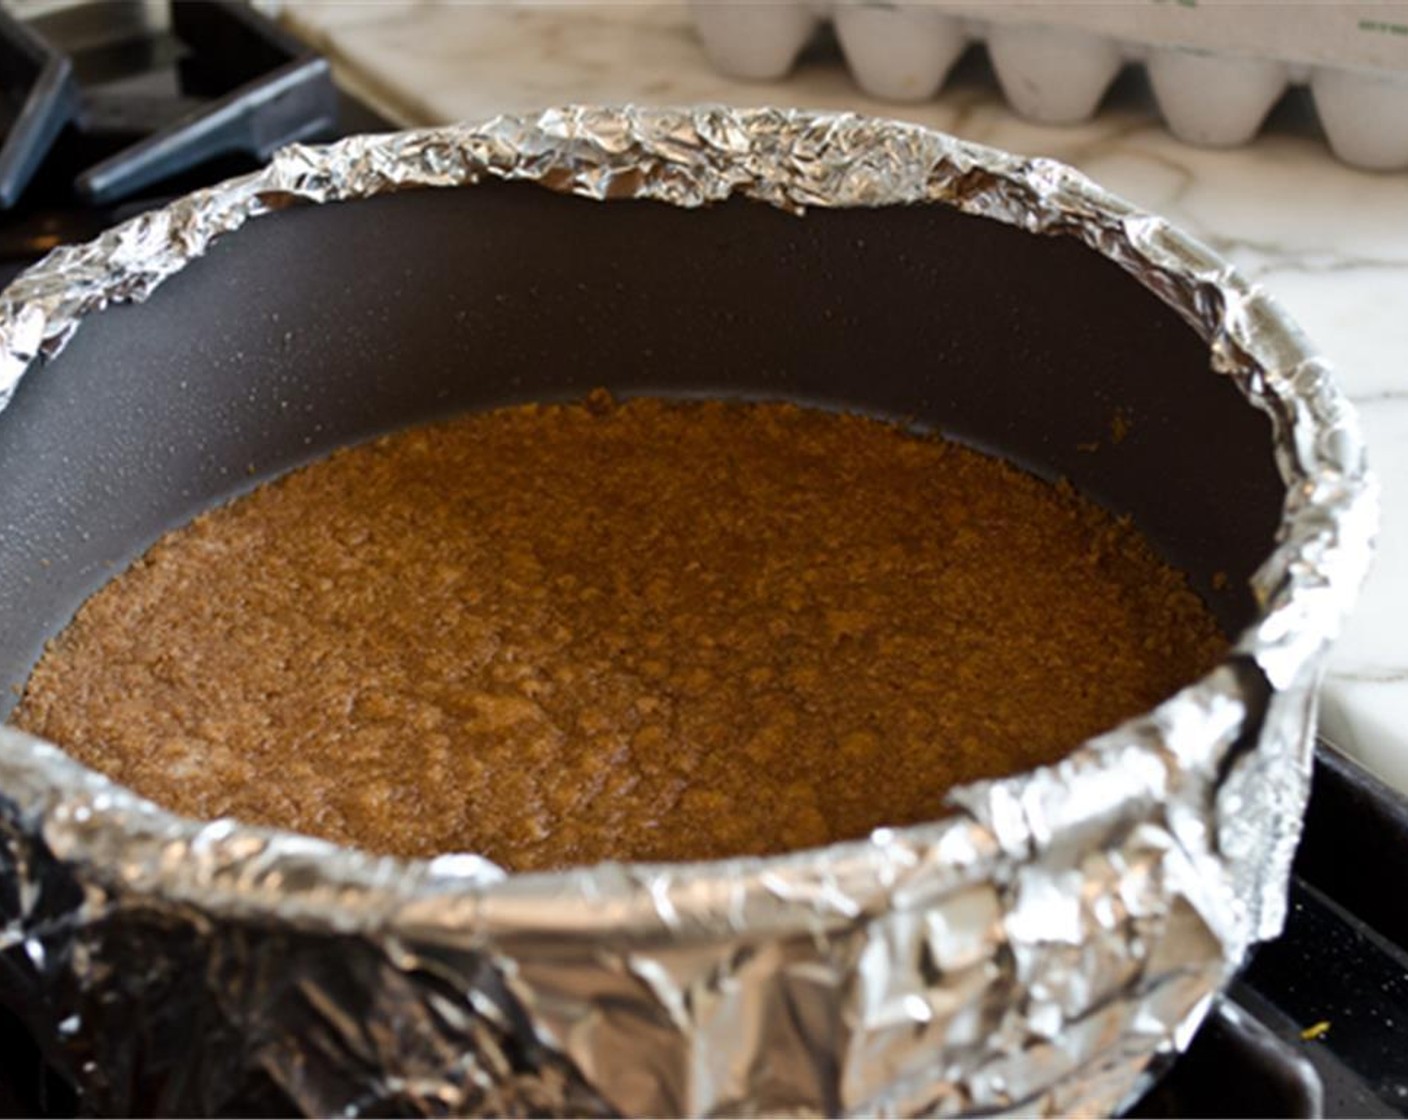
1028 954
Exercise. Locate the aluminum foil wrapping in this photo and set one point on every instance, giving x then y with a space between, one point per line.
1034 951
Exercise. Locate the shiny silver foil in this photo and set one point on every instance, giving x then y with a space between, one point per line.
1035 952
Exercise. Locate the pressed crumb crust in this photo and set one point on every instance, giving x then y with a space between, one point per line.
651 630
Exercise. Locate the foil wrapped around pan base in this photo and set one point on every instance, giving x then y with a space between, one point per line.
1032 952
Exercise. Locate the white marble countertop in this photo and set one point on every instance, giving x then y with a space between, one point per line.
1329 242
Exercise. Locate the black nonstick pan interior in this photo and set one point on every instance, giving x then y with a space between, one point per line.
321 325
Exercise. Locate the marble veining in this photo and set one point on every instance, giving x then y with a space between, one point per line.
1329 242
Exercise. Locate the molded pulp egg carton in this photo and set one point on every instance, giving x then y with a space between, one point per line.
1216 66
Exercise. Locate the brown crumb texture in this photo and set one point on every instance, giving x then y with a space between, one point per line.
660 631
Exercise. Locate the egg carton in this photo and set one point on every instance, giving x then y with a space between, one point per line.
1216 66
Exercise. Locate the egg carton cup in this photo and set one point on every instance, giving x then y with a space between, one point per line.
1216 66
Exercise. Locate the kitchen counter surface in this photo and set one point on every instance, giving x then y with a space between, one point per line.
1330 242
